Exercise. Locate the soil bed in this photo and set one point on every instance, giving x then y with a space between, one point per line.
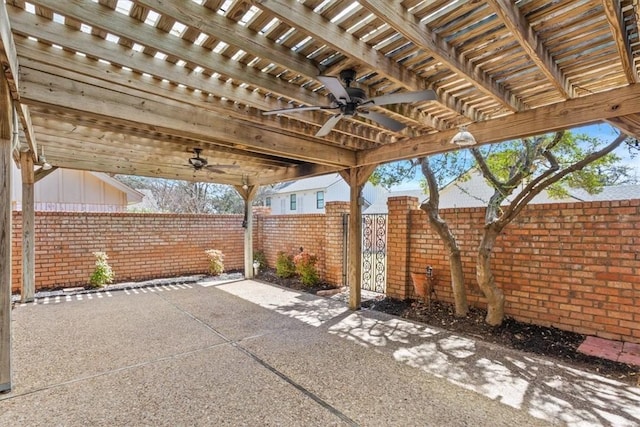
550 342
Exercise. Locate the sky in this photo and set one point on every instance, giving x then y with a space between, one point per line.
603 131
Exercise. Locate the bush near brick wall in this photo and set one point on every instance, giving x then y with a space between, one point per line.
573 266
289 233
140 246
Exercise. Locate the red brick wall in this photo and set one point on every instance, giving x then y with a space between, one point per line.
140 246
399 246
336 217
572 266
289 233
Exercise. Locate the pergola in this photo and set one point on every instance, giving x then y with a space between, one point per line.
132 87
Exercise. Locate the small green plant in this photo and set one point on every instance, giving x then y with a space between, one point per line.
216 261
102 273
284 265
305 264
261 258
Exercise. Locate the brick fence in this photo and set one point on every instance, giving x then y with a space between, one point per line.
146 246
573 266
320 234
140 246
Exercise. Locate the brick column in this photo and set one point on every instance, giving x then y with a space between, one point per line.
334 238
399 246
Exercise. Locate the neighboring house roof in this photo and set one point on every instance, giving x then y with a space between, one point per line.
133 195
475 192
147 204
613 192
370 192
306 184
380 205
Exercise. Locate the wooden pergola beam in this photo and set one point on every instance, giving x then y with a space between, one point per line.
248 193
304 19
173 118
134 81
356 178
222 28
114 165
42 173
28 288
123 26
11 69
155 69
571 113
8 53
402 21
517 24
628 124
109 143
138 32
613 12
6 133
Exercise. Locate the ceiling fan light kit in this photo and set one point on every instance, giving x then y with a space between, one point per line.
352 101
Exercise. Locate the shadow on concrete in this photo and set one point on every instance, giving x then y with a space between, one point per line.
543 388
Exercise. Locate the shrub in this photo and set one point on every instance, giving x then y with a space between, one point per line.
306 268
261 258
102 273
216 261
284 265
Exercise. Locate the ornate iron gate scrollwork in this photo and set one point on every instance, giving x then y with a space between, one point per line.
374 252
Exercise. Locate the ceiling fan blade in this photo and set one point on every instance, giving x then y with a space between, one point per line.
214 170
223 166
329 124
335 87
292 110
385 121
404 97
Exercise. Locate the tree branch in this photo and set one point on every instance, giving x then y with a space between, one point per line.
432 185
548 178
484 168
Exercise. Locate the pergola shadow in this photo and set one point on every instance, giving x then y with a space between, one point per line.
543 388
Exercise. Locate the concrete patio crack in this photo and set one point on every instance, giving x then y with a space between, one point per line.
308 393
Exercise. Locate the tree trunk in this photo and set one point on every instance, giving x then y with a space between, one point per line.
494 295
455 260
457 281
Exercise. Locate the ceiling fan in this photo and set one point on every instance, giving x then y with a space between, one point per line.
199 163
352 101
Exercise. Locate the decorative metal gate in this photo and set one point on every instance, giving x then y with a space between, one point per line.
374 252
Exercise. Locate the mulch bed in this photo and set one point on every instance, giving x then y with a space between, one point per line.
550 342
269 275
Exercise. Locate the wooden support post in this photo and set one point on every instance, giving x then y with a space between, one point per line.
356 178
28 228
6 131
248 195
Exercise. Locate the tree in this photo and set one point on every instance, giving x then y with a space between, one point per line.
525 168
556 162
447 166
191 197
432 208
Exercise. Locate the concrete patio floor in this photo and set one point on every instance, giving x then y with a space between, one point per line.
247 353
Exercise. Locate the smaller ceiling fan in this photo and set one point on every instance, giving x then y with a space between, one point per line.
199 163
352 101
